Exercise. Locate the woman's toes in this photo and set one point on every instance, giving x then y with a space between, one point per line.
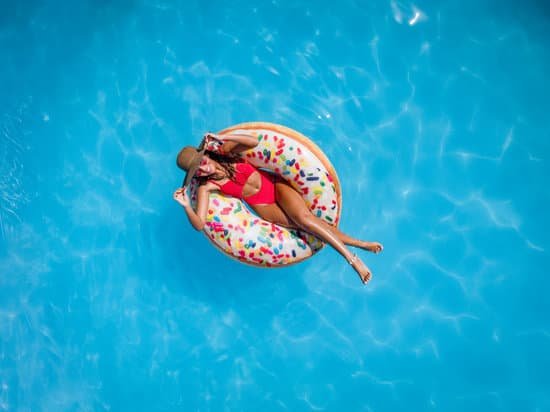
362 270
366 278
373 247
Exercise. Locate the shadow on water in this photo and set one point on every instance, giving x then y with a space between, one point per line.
102 12
15 14
190 265
44 42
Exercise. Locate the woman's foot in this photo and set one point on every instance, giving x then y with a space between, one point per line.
373 247
362 270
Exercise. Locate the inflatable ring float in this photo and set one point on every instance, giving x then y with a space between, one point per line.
241 234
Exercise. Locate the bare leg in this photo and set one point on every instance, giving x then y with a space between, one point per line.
297 211
275 214
373 247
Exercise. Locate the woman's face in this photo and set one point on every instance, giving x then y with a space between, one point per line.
207 167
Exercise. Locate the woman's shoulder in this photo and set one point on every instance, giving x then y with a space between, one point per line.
208 186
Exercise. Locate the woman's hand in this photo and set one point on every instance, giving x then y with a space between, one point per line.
212 136
180 196
229 143
213 142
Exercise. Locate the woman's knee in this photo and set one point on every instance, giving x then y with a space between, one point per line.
293 205
303 219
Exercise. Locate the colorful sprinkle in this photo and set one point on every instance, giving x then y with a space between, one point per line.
232 226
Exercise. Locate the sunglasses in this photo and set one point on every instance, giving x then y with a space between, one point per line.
203 162
194 170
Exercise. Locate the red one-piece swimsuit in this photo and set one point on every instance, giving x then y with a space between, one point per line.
266 194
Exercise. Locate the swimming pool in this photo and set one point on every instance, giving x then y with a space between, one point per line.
433 114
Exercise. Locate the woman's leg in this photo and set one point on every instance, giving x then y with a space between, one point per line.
373 247
275 214
295 208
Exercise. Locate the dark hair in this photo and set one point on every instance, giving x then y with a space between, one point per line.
226 161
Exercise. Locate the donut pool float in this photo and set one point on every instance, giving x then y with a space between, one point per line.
235 230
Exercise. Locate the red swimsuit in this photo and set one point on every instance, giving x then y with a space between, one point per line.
266 194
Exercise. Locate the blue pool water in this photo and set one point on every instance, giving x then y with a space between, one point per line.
435 115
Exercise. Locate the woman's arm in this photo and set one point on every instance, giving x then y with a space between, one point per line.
198 218
233 143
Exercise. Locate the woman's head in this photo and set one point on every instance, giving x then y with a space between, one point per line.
203 164
188 157
194 162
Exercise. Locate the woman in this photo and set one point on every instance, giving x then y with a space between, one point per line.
218 167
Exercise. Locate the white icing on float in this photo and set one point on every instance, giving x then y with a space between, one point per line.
239 233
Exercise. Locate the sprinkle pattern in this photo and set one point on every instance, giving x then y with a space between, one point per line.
236 231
